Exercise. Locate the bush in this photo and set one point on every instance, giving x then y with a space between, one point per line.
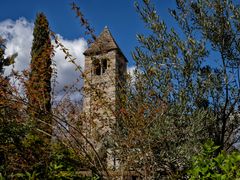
207 165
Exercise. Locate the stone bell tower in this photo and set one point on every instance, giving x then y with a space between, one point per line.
104 74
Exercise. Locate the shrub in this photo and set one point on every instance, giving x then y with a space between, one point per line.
208 165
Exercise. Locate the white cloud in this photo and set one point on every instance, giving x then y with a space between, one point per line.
66 74
131 70
19 39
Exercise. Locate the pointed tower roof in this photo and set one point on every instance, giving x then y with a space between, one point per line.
103 43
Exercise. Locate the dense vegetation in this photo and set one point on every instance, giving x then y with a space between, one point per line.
179 112
186 86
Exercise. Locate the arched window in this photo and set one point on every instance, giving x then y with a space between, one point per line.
96 67
104 65
99 66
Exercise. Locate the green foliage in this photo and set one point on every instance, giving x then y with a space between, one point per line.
64 163
56 162
21 151
26 175
12 132
208 165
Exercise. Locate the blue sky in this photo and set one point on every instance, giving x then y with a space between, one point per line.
119 15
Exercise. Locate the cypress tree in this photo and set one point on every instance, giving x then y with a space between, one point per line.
39 84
